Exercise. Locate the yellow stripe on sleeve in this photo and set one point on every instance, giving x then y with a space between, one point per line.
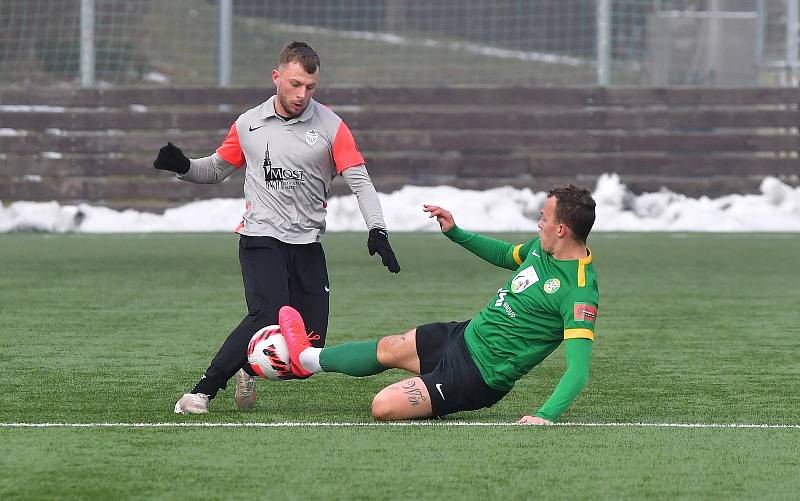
516 254
578 333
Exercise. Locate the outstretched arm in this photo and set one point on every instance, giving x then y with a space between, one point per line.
497 252
207 170
579 356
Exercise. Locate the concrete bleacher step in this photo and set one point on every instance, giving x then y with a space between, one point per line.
77 145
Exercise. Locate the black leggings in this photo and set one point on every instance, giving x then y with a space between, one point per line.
274 274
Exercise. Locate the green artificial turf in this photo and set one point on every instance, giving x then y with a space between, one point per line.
691 329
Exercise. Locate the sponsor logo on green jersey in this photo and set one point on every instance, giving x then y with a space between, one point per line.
524 279
585 312
552 285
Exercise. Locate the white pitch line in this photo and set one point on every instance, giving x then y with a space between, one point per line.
311 424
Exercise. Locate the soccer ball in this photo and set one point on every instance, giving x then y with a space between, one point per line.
268 354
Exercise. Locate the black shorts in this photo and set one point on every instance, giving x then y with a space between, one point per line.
448 371
276 273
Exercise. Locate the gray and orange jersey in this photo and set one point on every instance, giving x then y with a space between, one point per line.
289 168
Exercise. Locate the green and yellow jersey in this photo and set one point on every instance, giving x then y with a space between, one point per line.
545 302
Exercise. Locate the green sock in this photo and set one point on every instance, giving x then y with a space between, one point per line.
354 359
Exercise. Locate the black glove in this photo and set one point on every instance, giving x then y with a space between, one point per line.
171 158
378 241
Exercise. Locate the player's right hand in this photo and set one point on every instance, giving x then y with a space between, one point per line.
171 158
445 219
534 420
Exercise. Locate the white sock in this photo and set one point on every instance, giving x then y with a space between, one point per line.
309 359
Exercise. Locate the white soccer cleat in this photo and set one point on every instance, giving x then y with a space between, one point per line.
245 390
192 403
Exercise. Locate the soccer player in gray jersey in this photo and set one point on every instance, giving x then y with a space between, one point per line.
292 148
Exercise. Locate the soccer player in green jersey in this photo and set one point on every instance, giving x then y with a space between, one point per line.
551 297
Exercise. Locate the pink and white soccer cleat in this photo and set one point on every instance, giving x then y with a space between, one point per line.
297 340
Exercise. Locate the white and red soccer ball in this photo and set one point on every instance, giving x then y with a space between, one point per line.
268 354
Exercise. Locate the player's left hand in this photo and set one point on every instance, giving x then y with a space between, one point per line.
378 241
534 420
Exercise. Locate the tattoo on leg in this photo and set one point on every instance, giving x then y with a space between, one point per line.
414 394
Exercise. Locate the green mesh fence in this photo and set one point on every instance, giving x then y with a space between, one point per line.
402 42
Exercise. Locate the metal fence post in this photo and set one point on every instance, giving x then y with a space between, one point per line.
603 41
87 44
225 43
762 20
712 44
791 40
